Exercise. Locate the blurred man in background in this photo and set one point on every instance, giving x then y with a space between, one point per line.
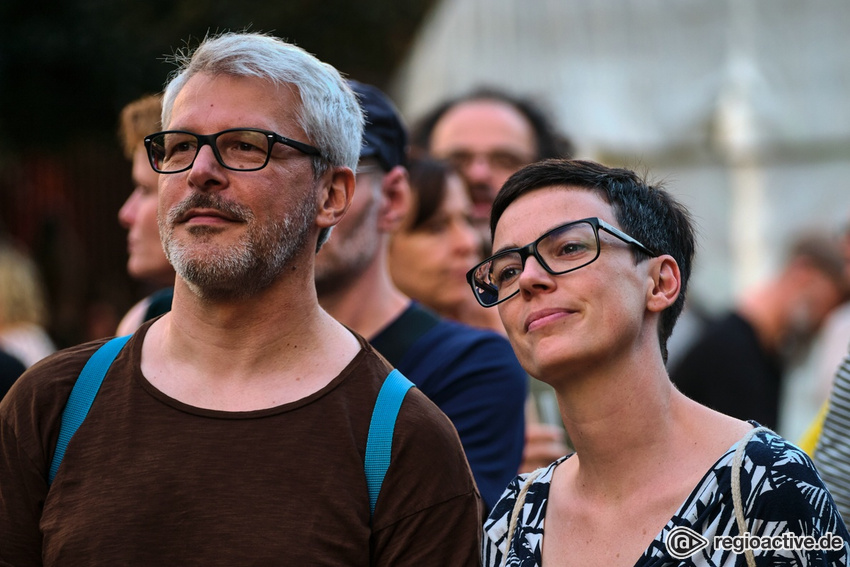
736 366
471 374
487 135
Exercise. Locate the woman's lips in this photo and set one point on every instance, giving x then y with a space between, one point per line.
544 317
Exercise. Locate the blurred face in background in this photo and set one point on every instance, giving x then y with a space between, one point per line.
429 257
147 259
356 240
486 141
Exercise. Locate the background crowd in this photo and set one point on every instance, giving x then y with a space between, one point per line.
59 193
427 225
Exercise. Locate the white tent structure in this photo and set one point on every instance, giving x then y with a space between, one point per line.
742 106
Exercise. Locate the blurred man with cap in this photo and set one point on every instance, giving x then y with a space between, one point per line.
471 374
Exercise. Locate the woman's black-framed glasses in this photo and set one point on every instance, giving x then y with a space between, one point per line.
563 249
239 149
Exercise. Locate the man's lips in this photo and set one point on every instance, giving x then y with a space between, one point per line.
545 316
480 193
205 215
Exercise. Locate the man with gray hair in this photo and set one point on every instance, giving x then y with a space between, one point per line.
236 428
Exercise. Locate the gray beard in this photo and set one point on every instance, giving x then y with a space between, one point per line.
240 271
345 257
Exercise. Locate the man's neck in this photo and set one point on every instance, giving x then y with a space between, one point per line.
239 355
367 303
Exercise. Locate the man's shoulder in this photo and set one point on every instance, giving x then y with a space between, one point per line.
31 411
425 440
459 339
55 374
453 352
729 328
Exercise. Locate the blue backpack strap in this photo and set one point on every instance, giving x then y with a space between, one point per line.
379 443
81 398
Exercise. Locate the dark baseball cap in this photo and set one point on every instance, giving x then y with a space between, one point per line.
385 136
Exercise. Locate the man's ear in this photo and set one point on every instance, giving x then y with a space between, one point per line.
335 196
396 199
666 283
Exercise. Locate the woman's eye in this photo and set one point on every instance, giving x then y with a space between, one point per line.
572 248
436 226
506 275
147 190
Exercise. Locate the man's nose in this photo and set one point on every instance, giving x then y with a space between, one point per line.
479 169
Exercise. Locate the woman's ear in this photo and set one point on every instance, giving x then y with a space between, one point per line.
335 196
666 283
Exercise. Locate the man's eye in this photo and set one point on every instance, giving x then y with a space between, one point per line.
460 161
436 225
181 147
506 161
246 147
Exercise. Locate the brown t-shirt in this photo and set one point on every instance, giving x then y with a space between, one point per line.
148 480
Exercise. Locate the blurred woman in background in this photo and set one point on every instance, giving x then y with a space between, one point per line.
23 307
437 245
146 260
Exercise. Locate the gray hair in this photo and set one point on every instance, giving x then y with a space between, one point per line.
330 114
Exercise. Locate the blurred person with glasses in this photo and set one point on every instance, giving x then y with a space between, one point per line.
234 428
471 374
146 260
487 134
589 274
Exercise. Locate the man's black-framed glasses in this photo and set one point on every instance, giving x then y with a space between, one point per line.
239 149
563 249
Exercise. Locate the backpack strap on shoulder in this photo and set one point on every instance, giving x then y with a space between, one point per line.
379 443
82 396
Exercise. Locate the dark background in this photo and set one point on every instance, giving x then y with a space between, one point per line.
66 70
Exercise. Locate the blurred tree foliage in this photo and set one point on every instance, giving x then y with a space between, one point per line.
67 68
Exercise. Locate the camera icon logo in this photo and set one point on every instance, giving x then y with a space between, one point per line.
682 542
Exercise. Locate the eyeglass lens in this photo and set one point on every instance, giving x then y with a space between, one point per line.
236 149
565 249
499 160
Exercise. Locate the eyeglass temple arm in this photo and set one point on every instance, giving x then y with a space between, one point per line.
624 237
300 146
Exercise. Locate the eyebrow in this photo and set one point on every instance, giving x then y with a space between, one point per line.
515 246
503 248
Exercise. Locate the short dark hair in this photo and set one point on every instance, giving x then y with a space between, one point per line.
645 211
550 143
428 179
